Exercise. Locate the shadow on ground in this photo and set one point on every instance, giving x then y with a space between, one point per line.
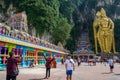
106 73
38 79
117 74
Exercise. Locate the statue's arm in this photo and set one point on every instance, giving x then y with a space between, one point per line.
111 25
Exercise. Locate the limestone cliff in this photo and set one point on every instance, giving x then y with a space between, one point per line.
84 15
87 10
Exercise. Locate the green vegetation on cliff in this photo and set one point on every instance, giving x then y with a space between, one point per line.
47 16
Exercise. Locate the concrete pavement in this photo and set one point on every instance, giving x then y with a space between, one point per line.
83 72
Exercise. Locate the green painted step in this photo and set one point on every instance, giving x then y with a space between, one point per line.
1 68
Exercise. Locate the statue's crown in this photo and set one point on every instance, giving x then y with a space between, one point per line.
103 12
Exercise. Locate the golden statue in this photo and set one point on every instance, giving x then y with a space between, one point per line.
104 32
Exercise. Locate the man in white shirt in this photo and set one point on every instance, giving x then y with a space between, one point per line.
111 64
69 65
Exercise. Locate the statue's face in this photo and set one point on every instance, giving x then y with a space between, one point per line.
98 14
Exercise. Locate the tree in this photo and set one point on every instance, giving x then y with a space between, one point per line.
62 32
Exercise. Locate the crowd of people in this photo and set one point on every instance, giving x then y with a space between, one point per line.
92 62
13 71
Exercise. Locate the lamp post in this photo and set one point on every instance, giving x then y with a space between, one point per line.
0 59
4 59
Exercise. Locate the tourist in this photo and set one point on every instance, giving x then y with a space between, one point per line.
62 60
54 64
12 67
69 65
111 64
79 61
101 60
105 61
90 62
94 62
32 63
48 66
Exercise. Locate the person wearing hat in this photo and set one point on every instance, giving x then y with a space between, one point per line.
12 66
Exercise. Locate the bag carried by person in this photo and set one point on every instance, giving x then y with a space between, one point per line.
16 71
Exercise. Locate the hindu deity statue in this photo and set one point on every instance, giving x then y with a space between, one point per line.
104 32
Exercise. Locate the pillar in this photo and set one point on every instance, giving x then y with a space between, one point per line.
51 54
28 62
20 51
1 68
4 59
36 57
58 57
10 46
44 61
13 50
0 50
23 57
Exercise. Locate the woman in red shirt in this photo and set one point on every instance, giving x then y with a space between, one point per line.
48 65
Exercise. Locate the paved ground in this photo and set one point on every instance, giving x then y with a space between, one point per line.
84 72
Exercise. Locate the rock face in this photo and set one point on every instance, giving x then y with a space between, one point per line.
2 3
85 13
84 16
105 2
